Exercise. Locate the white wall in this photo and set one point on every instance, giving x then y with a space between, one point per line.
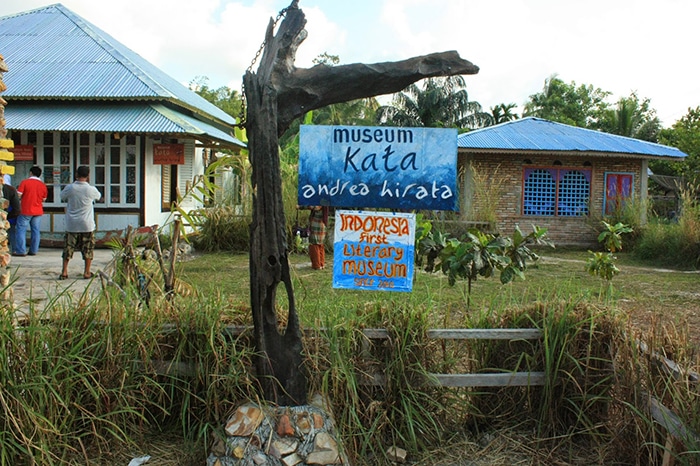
193 167
152 189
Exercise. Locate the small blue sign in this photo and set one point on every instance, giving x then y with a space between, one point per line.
374 250
382 167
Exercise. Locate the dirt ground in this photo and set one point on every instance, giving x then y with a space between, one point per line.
671 313
34 279
655 298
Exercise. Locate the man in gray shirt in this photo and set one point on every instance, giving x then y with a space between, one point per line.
80 197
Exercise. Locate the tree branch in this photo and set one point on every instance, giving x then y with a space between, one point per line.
305 89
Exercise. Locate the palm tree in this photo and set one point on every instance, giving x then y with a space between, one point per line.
359 112
503 112
440 102
633 118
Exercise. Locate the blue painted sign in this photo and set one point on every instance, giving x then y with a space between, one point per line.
374 250
388 167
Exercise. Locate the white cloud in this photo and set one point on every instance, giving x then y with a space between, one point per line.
619 46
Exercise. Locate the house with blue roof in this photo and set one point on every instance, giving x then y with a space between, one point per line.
76 96
564 178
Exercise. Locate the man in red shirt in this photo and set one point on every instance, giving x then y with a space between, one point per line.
33 193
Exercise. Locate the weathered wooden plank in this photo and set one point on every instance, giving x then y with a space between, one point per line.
668 365
673 424
438 334
376 333
507 379
486 334
468 333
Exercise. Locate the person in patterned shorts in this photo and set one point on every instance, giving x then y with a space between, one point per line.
80 199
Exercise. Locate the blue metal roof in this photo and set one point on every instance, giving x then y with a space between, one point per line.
123 117
52 53
537 134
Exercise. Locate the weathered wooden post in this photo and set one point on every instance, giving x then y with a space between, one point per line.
5 155
275 95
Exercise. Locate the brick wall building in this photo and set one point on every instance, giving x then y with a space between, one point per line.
566 179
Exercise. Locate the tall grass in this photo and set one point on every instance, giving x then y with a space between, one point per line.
84 379
676 244
644 376
221 228
488 188
576 352
403 409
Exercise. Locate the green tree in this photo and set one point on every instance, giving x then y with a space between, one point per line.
581 105
438 103
633 118
326 59
485 254
359 112
223 97
685 135
502 113
602 264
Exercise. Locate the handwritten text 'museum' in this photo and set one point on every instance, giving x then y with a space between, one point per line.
384 167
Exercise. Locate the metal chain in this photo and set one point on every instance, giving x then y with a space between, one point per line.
242 114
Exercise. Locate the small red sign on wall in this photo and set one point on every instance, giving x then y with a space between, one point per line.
168 154
23 153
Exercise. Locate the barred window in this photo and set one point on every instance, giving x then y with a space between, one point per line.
574 189
556 192
539 192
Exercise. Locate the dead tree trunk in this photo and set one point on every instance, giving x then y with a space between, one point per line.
277 94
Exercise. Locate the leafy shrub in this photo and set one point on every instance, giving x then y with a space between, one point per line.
221 229
632 214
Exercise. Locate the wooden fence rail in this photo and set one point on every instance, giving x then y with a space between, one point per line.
499 379
676 429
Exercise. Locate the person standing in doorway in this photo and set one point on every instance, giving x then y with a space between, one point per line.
32 194
80 198
318 221
12 208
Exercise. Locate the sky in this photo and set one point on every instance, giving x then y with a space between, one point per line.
619 46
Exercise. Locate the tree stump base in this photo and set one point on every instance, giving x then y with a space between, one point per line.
287 435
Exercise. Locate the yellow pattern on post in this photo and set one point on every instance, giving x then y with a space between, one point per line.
6 293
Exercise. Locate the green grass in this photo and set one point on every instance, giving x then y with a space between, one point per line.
90 380
644 292
584 326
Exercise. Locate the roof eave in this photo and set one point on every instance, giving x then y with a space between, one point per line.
203 141
153 99
466 150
